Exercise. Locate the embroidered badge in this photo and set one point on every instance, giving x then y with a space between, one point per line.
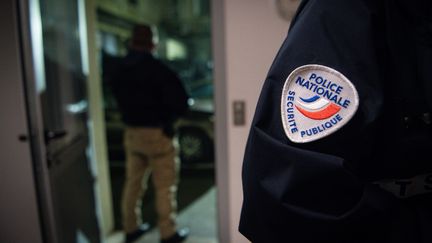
316 101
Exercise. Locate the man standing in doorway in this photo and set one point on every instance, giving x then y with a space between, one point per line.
150 98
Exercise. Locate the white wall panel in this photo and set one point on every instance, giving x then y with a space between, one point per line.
247 35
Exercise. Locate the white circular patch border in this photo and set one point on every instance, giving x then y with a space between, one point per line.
285 90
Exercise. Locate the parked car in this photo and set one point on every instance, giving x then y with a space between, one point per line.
195 133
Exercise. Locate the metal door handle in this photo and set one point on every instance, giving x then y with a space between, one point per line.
53 135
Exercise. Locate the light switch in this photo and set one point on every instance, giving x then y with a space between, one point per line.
239 110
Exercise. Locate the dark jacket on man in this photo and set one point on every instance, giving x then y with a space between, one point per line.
148 93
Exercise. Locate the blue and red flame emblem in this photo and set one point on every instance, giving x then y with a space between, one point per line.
317 108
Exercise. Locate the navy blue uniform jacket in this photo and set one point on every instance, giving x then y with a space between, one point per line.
325 191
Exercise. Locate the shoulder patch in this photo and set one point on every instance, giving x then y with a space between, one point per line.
316 102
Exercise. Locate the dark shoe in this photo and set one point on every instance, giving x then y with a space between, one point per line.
178 237
133 236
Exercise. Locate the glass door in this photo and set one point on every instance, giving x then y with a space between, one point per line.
59 62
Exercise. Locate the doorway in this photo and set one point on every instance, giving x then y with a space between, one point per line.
58 77
184 44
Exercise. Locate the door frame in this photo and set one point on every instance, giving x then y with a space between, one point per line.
221 120
97 133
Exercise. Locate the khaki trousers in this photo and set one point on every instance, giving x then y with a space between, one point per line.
149 150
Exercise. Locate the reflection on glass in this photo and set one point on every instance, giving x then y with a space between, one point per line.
79 107
64 77
37 45
82 25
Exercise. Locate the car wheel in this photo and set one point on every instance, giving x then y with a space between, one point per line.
195 146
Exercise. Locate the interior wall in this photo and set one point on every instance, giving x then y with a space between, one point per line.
246 37
19 220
